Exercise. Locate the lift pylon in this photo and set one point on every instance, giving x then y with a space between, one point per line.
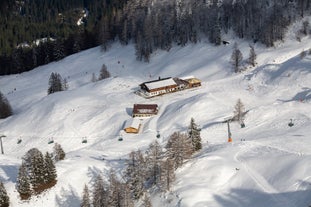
229 132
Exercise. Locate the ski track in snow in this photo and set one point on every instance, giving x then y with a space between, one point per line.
281 200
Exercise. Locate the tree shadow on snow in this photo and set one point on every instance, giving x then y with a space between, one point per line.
304 95
10 171
68 198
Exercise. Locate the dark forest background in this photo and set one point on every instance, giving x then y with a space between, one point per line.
149 24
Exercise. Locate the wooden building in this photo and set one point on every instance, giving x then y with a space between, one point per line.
158 87
132 126
167 85
145 110
192 81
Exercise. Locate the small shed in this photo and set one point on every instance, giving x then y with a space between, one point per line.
145 110
132 126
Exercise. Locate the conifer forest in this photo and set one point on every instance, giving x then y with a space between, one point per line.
34 33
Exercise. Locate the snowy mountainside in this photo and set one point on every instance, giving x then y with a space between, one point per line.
269 168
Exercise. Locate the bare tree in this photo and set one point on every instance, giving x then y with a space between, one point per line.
86 202
167 174
58 152
154 155
239 111
119 193
100 194
179 148
236 58
146 201
135 174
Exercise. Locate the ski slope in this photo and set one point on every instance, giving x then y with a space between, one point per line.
270 168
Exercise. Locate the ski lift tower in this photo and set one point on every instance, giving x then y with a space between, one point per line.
229 132
1 136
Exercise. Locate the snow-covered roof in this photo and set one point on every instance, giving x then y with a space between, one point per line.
145 108
187 77
160 83
133 123
191 79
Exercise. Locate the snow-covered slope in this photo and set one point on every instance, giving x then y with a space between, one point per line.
270 168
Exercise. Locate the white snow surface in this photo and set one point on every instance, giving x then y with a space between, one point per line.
271 168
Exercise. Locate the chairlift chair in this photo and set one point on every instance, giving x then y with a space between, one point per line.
158 134
290 124
51 141
120 138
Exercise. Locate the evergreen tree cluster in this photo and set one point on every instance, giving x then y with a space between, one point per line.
5 107
36 173
57 83
33 33
155 25
150 24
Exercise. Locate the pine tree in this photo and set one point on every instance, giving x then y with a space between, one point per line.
58 50
51 175
55 83
252 56
5 107
194 135
22 183
58 152
65 84
100 195
4 198
37 171
86 202
236 58
104 73
179 148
